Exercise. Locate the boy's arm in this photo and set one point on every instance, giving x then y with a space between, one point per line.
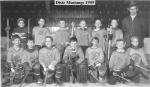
66 55
33 32
47 32
90 37
111 62
9 56
36 56
81 56
57 58
41 57
101 57
144 60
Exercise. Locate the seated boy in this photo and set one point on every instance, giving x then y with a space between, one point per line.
49 57
74 58
138 57
95 58
14 58
30 56
118 61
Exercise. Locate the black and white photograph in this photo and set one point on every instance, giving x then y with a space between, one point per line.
75 43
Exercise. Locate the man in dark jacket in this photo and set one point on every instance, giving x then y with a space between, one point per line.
134 25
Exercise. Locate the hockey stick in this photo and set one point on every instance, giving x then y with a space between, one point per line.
7 31
122 78
91 73
45 79
24 78
11 80
143 68
28 26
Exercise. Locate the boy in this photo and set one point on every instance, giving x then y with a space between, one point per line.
21 31
49 57
74 58
39 33
95 58
61 37
30 56
99 32
138 56
118 61
14 58
137 53
117 33
83 36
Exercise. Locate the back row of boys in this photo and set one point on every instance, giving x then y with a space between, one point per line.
49 56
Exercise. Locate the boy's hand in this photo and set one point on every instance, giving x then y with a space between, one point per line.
98 64
45 69
12 70
51 67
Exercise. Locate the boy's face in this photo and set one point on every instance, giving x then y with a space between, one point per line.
94 42
120 44
41 22
62 24
114 23
21 24
16 42
82 24
135 42
133 10
98 23
73 44
48 42
30 44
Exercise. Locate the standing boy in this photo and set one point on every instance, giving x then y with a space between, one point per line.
99 32
39 33
21 31
83 35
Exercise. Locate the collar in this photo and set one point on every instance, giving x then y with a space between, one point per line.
96 29
120 51
18 48
133 16
135 47
30 50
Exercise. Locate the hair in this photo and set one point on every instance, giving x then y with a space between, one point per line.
95 38
30 39
120 40
20 19
49 37
134 37
73 39
41 18
15 37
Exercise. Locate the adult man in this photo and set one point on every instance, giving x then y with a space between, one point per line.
134 25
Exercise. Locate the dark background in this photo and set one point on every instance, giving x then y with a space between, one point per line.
104 10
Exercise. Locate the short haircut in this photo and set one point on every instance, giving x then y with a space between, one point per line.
95 38
20 19
41 18
73 39
30 39
49 37
134 37
15 37
120 40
